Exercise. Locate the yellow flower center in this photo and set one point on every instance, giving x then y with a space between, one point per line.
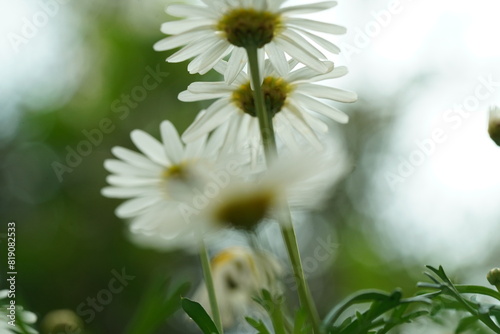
245 212
177 172
248 27
275 91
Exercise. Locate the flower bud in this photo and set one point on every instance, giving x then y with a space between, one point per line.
494 277
494 124
61 321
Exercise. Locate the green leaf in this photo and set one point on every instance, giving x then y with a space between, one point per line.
199 316
477 289
465 324
258 325
399 317
300 323
482 312
357 298
274 307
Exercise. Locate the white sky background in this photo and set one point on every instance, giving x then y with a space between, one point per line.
447 210
451 200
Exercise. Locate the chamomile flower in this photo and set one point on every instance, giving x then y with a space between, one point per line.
239 275
156 180
494 125
28 318
243 203
293 101
218 28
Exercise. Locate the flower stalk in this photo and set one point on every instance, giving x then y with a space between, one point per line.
207 273
265 119
270 151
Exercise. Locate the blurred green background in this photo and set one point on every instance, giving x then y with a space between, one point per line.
79 67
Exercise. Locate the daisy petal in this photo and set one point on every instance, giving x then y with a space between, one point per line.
131 207
302 55
173 146
179 40
182 10
293 36
121 168
337 72
211 56
135 159
192 49
274 5
327 45
322 108
182 26
210 88
310 8
296 119
195 148
188 96
127 192
306 74
235 65
315 123
284 132
150 147
330 93
316 26
277 58
131 181
215 115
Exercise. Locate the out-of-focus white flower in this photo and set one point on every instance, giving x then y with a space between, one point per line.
220 27
28 318
494 124
242 203
156 181
176 194
240 275
293 101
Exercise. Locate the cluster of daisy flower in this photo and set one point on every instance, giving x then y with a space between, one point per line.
257 152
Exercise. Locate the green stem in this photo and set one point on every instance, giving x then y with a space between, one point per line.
277 318
265 119
209 282
303 289
269 144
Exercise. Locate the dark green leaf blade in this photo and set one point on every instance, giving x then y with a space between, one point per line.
199 316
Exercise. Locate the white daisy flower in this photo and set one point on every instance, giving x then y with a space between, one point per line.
239 275
294 101
494 124
243 203
156 180
210 32
28 318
